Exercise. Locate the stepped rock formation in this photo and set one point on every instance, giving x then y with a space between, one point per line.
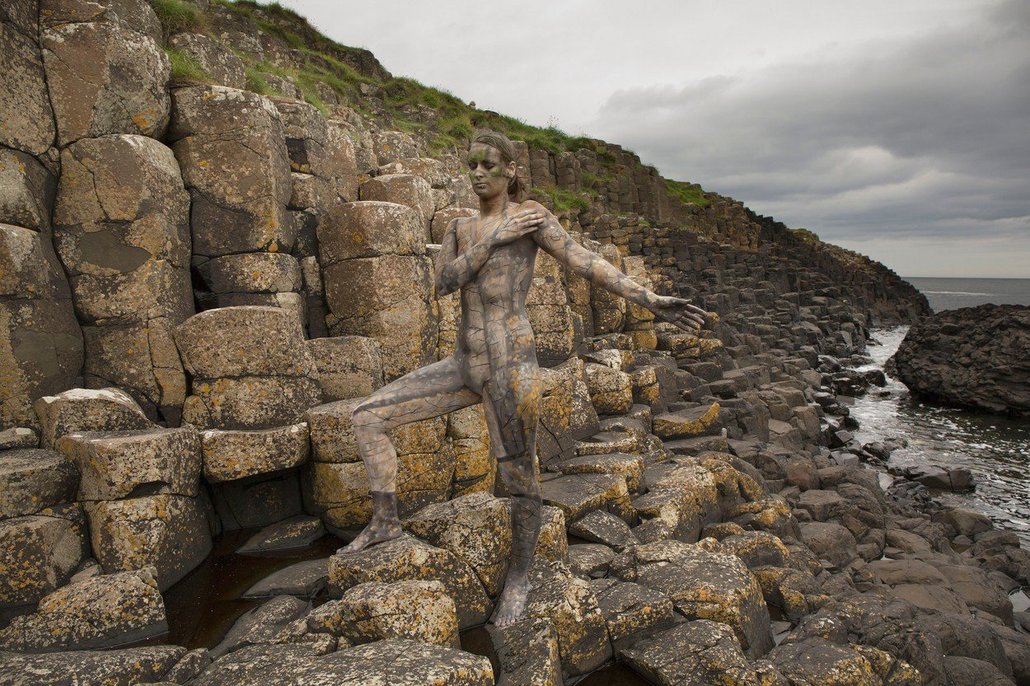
974 357
216 237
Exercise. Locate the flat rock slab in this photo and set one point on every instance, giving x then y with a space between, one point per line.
631 467
409 558
32 479
590 559
263 624
128 666
289 534
576 494
603 527
230 455
303 579
686 423
100 612
697 653
395 662
121 464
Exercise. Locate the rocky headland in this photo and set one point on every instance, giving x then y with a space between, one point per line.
213 243
973 357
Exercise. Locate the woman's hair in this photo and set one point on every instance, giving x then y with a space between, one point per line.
500 143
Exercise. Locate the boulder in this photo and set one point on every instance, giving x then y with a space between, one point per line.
144 665
264 624
407 558
232 150
419 610
106 74
255 272
250 402
26 116
611 391
242 341
817 661
230 455
571 607
686 423
692 654
32 479
387 298
603 527
577 494
80 410
705 585
346 366
631 611
123 463
168 532
403 189
39 553
476 528
973 357
99 612
528 653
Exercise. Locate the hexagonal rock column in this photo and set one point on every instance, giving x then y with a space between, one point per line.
639 320
251 388
232 150
121 228
140 491
609 309
378 281
106 71
40 340
404 189
547 305
40 552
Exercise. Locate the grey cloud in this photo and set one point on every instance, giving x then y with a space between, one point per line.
921 138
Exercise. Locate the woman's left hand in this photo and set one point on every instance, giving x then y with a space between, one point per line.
678 311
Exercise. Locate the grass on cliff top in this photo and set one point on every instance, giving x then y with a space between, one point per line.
689 193
185 68
177 16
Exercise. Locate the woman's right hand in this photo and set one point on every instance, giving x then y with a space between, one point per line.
517 226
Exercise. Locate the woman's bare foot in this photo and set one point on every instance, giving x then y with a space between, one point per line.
377 531
511 605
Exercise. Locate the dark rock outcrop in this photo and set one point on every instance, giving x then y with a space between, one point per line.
975 357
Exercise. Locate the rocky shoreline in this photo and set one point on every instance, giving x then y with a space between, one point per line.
200 282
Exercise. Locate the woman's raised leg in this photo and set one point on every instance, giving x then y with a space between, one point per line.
427 392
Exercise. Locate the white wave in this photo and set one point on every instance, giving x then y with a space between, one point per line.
958 293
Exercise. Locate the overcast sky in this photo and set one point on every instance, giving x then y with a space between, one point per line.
900 129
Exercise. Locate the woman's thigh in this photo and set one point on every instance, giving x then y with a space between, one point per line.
430 391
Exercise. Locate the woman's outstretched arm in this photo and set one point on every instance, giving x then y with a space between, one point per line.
556 241
454 271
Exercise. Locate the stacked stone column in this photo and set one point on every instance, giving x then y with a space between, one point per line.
251 385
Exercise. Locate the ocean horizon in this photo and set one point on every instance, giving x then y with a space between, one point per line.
946 293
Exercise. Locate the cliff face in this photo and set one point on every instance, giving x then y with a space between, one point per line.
216 238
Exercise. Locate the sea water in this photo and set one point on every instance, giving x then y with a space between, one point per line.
994 448
951 294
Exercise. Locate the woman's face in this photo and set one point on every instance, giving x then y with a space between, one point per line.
487 171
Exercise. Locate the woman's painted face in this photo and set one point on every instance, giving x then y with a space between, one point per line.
487 171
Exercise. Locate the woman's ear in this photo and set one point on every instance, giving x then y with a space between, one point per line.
512 169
